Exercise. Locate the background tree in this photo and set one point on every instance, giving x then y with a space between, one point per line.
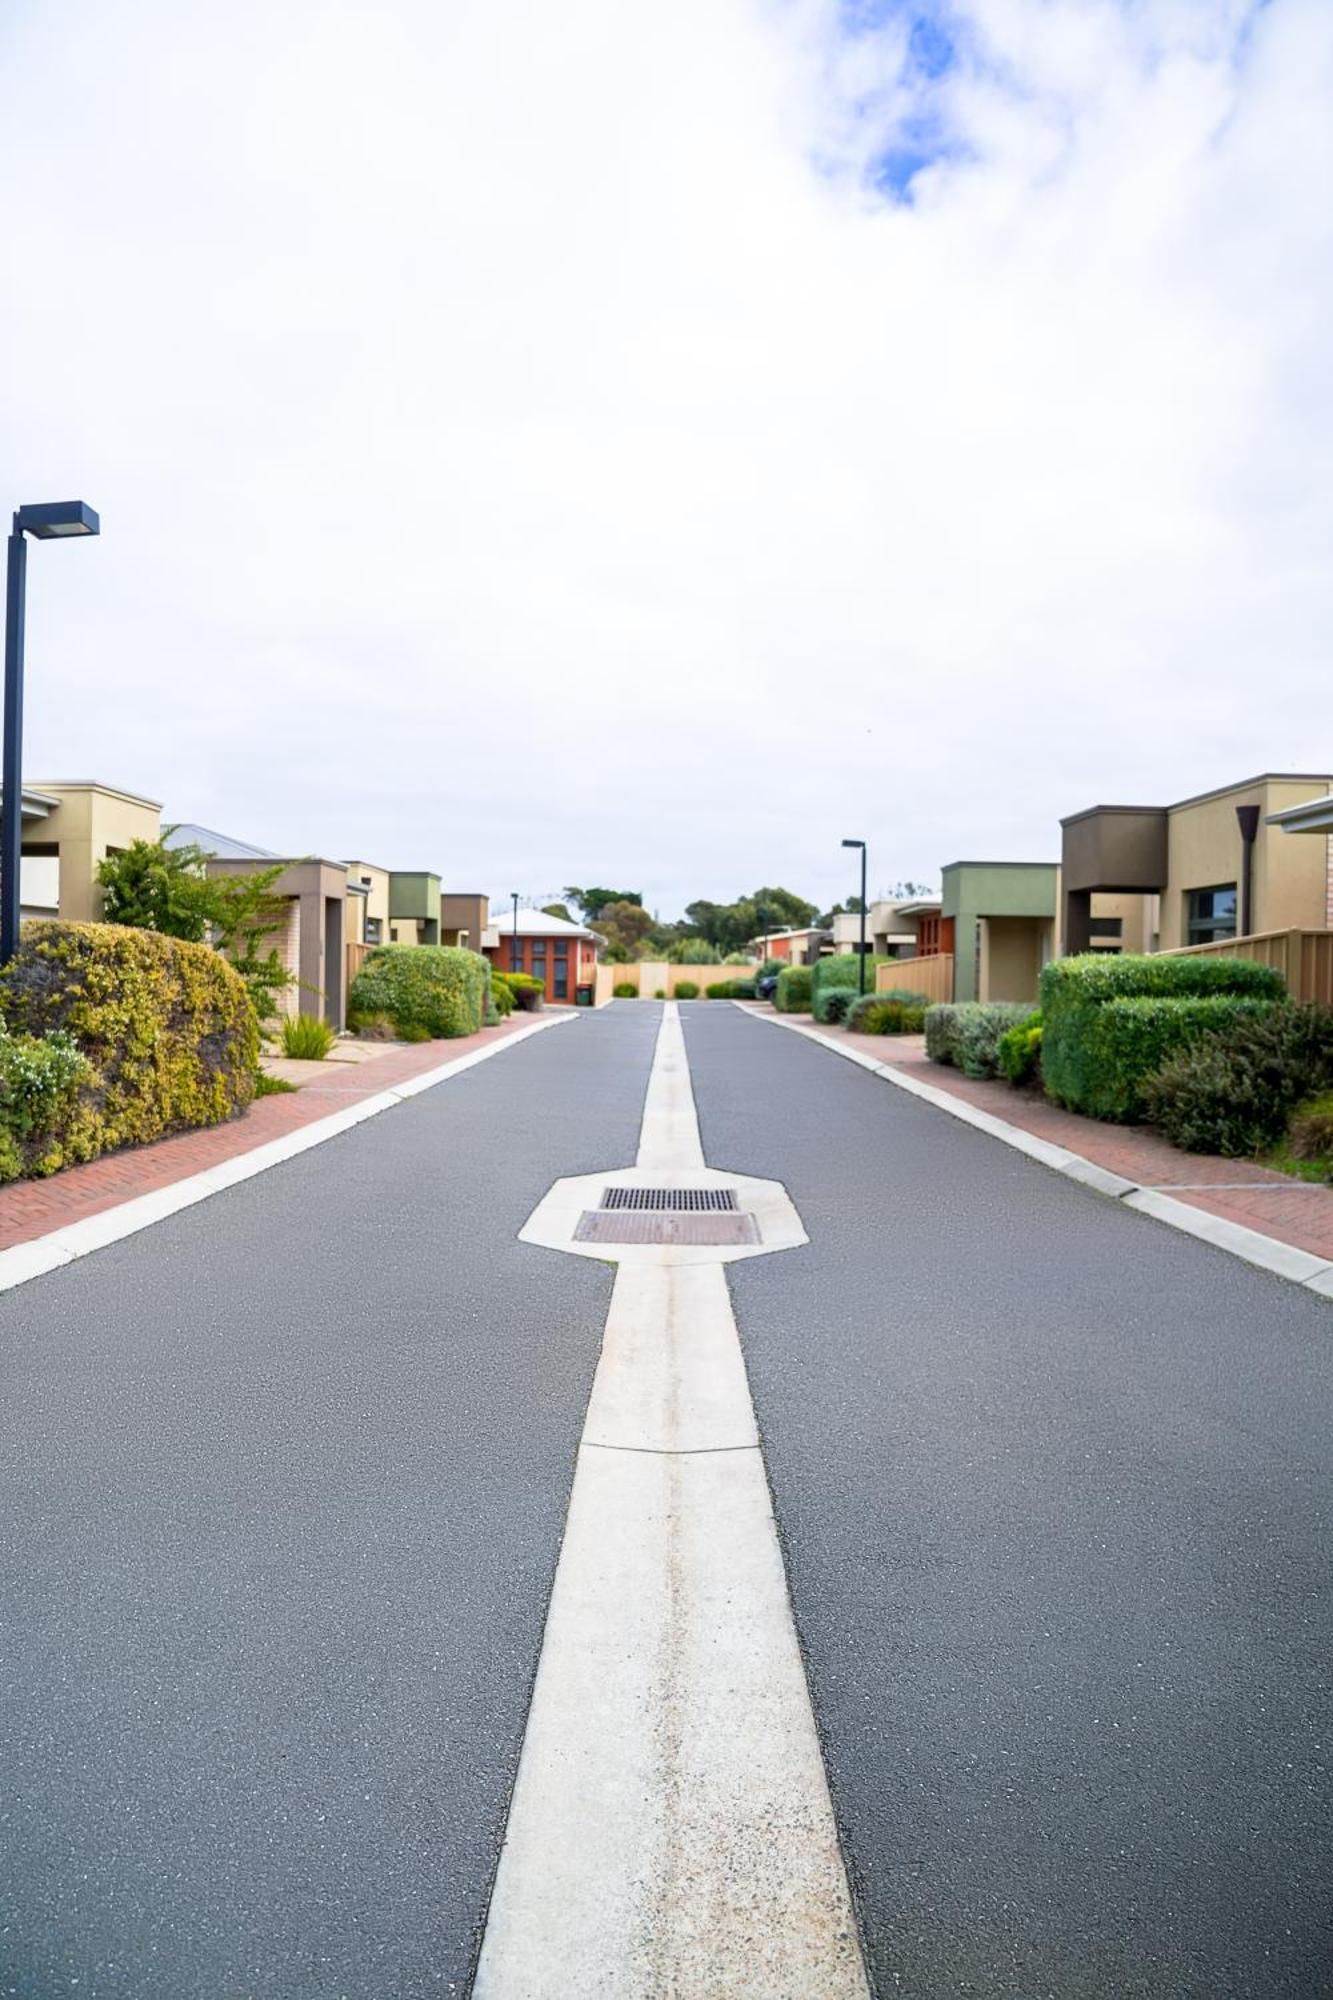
626 926
560 910
152 887
592 902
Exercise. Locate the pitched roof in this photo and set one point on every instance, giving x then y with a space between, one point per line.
220 845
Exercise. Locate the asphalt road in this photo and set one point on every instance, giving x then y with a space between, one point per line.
282 1484
1054 1485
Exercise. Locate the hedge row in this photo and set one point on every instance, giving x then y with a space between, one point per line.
1110 1022
426 991
115 1037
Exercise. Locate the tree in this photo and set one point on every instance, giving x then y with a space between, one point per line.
152 887
245 913
592 902
560 910
625 925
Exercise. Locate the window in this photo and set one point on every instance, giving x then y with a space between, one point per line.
1105 927
515 954
393 933
560 986
1210 914
374 930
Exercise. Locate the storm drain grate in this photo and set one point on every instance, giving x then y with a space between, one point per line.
726 1229
680 1201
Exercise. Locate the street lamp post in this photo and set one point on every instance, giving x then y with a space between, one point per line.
861 962
514 965
49 522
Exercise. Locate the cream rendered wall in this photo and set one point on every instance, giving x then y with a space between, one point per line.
90 822
1013 951
1204 850
1136 920
377 894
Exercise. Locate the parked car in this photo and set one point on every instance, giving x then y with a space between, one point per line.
765 988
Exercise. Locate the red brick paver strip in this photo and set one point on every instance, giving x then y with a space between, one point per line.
1299 1213
30 1209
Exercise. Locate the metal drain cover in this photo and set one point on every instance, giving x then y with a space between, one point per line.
681 1201
623 1225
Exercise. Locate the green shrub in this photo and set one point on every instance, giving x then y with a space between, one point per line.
165 1025
742 989
1124 1042
624 989
882 1014
502 996
687 989
1074 991
942 1033
793 990
1019 1052
978 1032
307 1038
830 1003
273 1086
659 993
1232 1091
722 989
842 969
39 1079
529 993
1310 1133
427 990
904 996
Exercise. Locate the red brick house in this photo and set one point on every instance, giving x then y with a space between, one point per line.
562 955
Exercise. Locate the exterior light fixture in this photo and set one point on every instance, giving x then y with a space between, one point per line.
861 962
51 521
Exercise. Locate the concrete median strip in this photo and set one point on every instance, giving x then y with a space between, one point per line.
1268 1253
72 1240
670 1831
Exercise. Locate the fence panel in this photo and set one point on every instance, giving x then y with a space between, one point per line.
932 977
1304 958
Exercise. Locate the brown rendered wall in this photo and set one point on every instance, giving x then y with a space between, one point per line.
90 822
463 918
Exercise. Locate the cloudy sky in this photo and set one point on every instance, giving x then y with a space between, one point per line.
647 444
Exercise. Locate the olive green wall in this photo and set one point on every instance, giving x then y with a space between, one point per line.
973 890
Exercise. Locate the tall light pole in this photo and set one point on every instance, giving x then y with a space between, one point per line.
514 965
861 962
46 523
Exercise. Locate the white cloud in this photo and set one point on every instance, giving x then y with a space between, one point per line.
527 448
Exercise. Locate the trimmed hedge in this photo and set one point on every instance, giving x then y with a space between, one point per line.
165 1026
1123 1042
831 1003
624 989
793 990
1232 1092
887 1014
721 989
843 969
686 989
1154 1005
429 991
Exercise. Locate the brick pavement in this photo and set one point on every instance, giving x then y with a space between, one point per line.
1295 1212
32 1208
